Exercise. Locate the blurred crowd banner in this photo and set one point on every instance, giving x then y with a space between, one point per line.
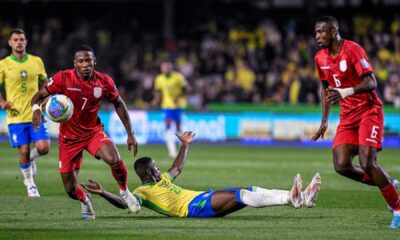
243 127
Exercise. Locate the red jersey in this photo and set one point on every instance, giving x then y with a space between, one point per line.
86 96
347 70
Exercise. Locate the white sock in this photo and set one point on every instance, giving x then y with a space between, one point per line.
265 198
269 191
28 176
170 142
34 154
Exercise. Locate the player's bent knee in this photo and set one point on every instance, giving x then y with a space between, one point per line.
43 150
342 169
368 166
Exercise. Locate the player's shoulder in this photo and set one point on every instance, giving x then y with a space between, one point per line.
35 58
351 46
101 76
322 53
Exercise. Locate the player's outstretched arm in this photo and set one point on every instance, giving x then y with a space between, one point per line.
123 114
95 188
178 164
36 99
326 107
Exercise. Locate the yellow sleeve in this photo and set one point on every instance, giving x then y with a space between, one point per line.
42 73
1 73
157 84
182 80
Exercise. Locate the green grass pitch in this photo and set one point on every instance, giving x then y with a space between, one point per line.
345 209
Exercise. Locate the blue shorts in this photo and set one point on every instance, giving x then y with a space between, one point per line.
200 206
173 114
23 133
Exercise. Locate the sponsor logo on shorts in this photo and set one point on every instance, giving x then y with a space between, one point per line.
325 67
371 140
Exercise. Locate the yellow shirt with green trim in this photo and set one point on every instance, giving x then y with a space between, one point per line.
21 80
171 87
165 197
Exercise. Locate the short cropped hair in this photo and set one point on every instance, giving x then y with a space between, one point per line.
141 164
85 48
16 31
330 21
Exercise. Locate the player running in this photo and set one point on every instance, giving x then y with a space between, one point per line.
160 194
347 77
86 88
22 75
170 87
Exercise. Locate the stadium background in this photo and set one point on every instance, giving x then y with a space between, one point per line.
269 45
249 63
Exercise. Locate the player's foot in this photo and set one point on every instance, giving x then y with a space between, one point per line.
310 194
34 167
395 184
295 193
32 191
396 220
132 201
87 210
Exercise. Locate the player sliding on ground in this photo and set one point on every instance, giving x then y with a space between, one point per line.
160 194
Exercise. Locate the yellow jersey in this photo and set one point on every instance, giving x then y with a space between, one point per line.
165 197
172 88
21 80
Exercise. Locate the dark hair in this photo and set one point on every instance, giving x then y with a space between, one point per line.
330 21
85 48
16 31
141 164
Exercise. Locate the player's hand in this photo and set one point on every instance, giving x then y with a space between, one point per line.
333 95
5 105
93 187
321 131
36 118
186 137
132 143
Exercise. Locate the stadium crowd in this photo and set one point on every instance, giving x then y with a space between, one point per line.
228 62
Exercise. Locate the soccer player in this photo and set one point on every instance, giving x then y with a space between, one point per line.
160 194
86 88
22 75
170 87
347 77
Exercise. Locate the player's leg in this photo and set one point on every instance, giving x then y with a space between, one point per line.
41 139
19 138
74 191
103 148
169 134
370 137
342 161
227 201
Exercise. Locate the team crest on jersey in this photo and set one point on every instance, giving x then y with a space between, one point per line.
24 74
343 65
97 92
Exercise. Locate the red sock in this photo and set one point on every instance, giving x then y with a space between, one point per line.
391 196
120 174
80 194
366 179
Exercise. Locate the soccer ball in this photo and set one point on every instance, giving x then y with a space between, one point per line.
59 108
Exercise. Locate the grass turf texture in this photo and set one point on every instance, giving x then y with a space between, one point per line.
345 209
